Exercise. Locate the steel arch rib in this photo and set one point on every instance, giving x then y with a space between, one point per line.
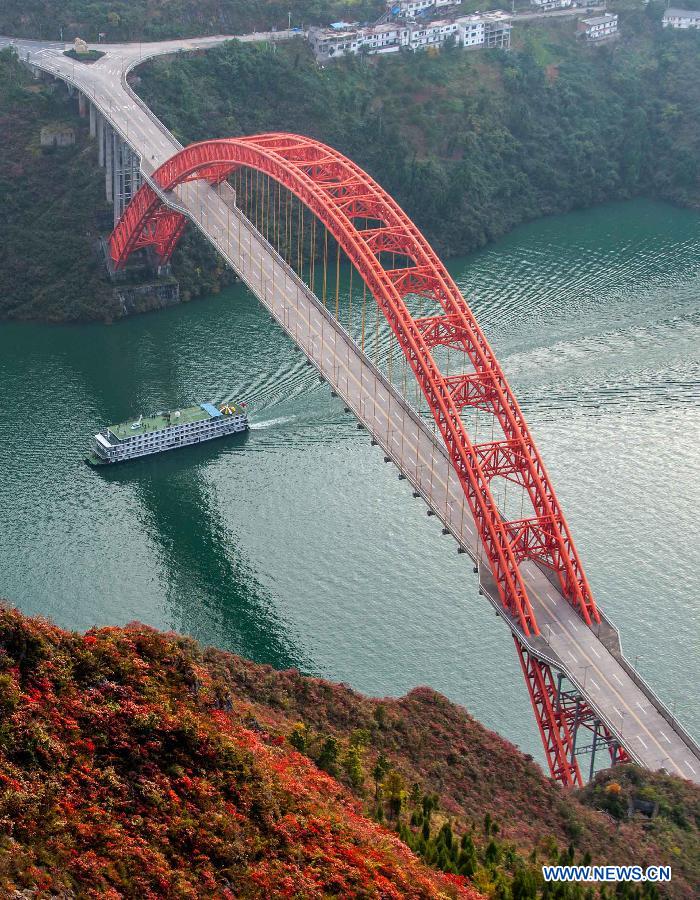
338 192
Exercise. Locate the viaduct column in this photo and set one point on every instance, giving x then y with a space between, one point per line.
100 139
126 175
109 160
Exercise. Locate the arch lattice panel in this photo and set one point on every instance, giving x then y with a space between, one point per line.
342 196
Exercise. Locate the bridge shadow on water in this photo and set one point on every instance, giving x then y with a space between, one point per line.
213 593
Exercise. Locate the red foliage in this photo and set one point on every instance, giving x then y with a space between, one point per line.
121 776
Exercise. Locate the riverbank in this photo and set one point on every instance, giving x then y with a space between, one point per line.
297 547
142 763
470 143
54 212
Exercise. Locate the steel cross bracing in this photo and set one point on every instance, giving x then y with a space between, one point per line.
453 475
338 193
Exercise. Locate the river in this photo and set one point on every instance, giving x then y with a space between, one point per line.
296 546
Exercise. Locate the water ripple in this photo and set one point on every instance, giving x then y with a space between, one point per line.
296 546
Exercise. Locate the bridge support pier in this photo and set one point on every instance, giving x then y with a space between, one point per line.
121 165
82 104
126 174
101 128
561 713
108 143
93 121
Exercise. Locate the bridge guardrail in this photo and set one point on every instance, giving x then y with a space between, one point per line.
555 661
552 659
651 694
286 34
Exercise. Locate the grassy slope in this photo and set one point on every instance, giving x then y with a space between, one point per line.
141 763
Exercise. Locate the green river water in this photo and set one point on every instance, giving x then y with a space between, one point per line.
295 545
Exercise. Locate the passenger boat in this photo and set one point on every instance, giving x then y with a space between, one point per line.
166 431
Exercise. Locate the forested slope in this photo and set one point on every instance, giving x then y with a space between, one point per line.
470 143
54 210
141 765
124 20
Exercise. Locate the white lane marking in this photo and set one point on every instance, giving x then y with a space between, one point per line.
690 767
572 656
618 712
550 602
663 735
441 481
593 650
617 678
595 684
642 741
640 706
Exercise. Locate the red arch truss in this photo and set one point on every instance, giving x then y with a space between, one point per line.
341 196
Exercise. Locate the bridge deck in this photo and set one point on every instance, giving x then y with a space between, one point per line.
591 660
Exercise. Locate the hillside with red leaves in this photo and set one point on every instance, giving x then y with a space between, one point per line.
138 764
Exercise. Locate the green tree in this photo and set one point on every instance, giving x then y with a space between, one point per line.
352 764
328 757
524 885
395 791
299 737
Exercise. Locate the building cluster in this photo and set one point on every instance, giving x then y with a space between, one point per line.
413 8
491 30
546 5
598 28
681 18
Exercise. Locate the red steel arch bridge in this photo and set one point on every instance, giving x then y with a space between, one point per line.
295 218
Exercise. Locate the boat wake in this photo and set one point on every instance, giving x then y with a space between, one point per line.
270 423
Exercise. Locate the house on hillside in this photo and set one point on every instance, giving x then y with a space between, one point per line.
57 136
432 34
497 29
598 28
545 5
490 30
333 43
681 18
412 8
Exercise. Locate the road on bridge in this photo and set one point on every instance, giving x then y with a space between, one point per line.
590 657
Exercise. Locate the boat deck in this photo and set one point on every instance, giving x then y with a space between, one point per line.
159 421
